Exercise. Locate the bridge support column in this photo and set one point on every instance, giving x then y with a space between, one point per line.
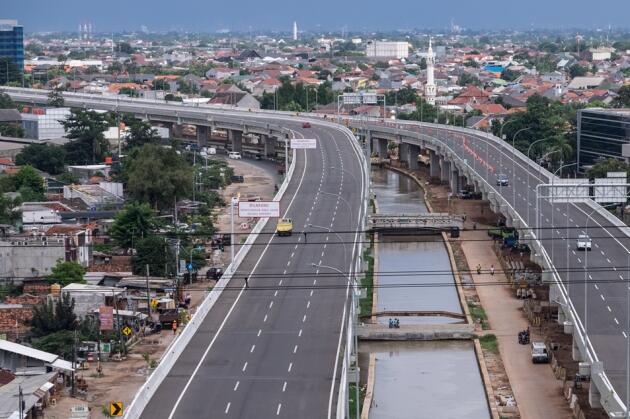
413 151
445 171
454 182
176 131
380 147
236 138
434 164
575 351
202 135
269 144
594 398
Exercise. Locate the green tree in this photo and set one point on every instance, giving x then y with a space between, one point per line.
133 222
11 130
47 158
623 98
50 316
9 72
577 70
55 99
155 252
68 178
67 272
60 343
466 78
160 84
169 97
140 133
6 102
601 168
85 129
27 178
124 47
129 91
158 176
510 75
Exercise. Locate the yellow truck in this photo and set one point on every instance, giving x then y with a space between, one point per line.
284 227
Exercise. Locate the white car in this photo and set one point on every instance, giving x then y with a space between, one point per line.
234 155
584 242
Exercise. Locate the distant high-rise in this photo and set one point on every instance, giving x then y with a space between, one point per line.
12 41
430 90
295 31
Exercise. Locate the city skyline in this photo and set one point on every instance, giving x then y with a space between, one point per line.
279 15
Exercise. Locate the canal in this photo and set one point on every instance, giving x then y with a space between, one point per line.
419 379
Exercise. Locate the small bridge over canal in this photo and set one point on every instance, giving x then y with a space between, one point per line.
416 222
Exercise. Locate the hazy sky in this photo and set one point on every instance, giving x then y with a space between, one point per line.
210 15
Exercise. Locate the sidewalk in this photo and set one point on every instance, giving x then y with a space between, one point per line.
537 391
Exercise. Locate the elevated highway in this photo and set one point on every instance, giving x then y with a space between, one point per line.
274 348
594 303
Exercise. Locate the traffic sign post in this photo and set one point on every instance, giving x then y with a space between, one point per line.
259 209
116 409
126 330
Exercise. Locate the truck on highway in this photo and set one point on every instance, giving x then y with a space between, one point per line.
284 227
539 353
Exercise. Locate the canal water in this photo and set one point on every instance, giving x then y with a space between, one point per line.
419 379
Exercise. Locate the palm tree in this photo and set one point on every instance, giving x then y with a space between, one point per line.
560 150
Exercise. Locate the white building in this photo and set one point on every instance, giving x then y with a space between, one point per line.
295 31
46 124
430 88
601 54
387 49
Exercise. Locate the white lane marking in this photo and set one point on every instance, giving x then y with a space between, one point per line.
265 319
596 287
284 387
579 260
308 303
236 385
244 366
292 254
289 263
314 281
609 309
589 276
602 252
275 294
304 319
608 260
311 293
270 304
602 295
573 252
259 332
227 408
300 333
290 366
296 244
621 277
278 410
295 349
616 321
614 268
624 335
280 282
284 272
252 350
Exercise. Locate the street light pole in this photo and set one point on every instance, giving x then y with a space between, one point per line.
514 165
232 202
529 176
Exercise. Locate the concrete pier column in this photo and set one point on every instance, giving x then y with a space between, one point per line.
463 182
434 164
236 138
380 147
445 171
454 182
413 151
176 131
594 398
202 135
403 153
270 145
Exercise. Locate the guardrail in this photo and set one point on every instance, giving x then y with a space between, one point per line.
168 359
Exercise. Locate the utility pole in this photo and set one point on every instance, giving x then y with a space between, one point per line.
148 294
74 361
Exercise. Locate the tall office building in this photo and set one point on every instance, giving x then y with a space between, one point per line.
387 49
12 41
602 134
295 31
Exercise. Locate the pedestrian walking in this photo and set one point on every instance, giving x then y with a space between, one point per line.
174 327
246 282
478 269
492 270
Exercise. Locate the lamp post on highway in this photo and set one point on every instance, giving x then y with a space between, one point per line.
503 139
328 229
551 201
528 176
233 203
352 318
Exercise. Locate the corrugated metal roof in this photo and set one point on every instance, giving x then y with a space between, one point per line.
5 345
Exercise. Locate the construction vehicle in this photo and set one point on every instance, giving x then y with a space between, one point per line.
284 227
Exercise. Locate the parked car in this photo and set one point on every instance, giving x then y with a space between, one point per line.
502 180
306 125
214 273
237 179
234 155
584 242
539 353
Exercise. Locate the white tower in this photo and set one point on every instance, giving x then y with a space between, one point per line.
295 31
429 88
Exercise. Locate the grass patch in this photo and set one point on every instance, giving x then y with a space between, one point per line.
367 281
489 343
353 402
479 315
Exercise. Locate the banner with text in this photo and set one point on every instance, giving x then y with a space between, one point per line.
303 143
259 209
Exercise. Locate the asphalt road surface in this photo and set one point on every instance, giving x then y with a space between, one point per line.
270 350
